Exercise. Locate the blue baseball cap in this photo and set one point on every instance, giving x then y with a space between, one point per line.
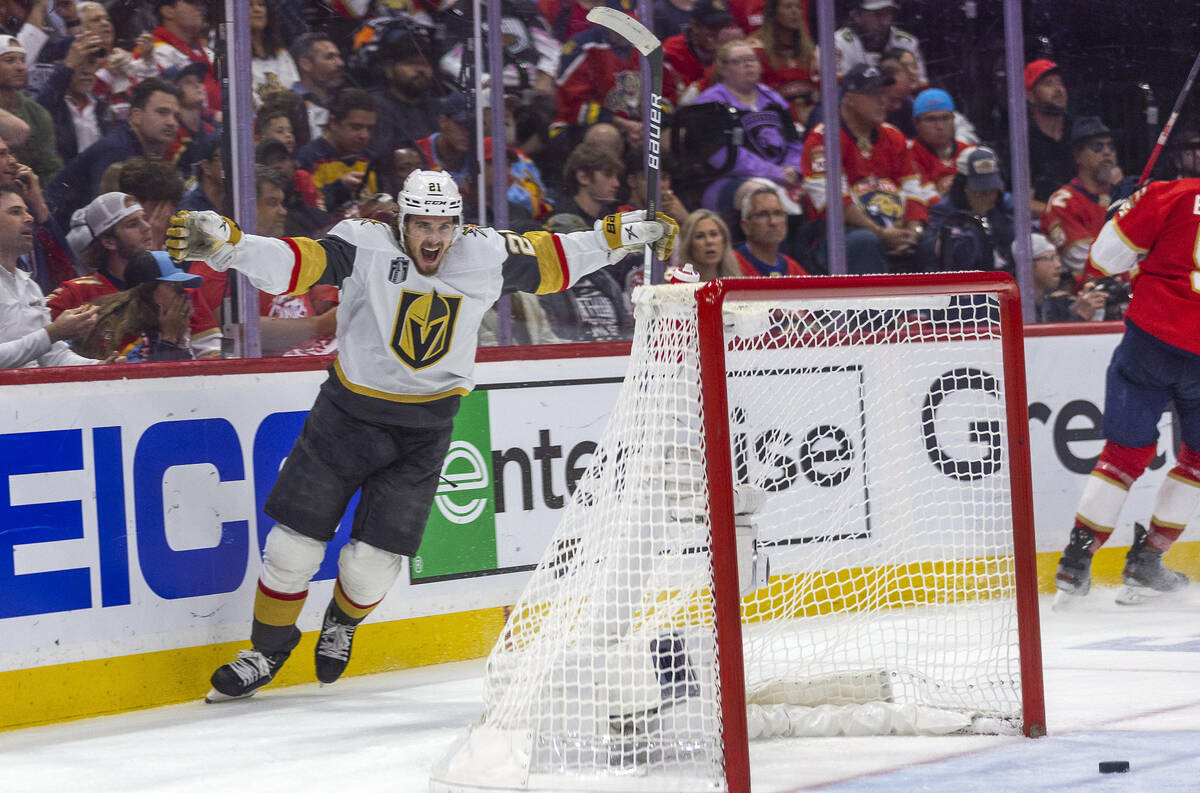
156 266
931 100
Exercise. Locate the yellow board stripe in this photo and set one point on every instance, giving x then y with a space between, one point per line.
377 394
49 694
311 263
549 260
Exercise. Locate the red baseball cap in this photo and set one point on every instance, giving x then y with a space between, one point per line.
1037 70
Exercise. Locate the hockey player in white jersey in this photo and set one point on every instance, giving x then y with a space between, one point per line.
411 303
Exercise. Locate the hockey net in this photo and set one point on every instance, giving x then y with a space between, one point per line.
809 515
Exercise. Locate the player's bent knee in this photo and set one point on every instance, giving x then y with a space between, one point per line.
366 573
290 559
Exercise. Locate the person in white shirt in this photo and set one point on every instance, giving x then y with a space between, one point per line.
870 34
27 336
272 67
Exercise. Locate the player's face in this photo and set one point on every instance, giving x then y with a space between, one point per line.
936 128
707 245
427 238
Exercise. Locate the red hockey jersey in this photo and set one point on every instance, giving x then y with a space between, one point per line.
878 175
936 173
597 82
1160 225
681 68
1071 220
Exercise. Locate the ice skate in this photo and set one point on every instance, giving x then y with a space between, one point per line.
240 678
1145 576
1074 577
333 647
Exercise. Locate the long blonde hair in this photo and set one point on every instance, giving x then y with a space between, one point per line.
727 267
803 49
122 316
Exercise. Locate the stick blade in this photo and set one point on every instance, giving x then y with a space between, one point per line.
626 26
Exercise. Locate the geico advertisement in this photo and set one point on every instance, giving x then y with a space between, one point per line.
130 511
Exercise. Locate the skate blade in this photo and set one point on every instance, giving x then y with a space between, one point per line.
214 696
1066 601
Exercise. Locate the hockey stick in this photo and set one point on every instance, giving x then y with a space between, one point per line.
1166 130
644 42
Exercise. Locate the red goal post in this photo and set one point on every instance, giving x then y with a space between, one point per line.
810 514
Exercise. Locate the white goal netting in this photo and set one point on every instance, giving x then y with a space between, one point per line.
869 453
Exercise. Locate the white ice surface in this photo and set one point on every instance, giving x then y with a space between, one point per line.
1121 684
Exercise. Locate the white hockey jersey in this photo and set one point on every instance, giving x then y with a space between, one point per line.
404 337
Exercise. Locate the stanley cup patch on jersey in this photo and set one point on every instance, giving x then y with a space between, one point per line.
424 327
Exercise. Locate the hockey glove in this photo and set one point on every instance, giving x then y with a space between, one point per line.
203 236
629 231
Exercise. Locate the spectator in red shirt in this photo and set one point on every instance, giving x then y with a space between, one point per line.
688 56
785 49
934 150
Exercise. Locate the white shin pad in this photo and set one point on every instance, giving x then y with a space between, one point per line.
366 573
290 559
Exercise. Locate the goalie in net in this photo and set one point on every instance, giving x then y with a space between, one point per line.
865 449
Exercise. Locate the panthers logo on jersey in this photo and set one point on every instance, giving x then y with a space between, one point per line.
424 327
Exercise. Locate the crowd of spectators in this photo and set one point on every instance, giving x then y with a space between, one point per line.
111 119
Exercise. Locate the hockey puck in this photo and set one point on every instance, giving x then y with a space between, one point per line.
1114 767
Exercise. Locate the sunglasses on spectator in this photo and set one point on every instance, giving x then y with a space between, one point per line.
1098 146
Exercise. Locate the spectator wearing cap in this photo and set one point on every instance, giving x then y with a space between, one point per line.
209 190
1075 212
149 130
408 103
305 204
1051 160
883 200
118 70
148 320
934 149
771 149
1185 154
271 66
972 227
322 72
446 149
870 34
80 118
38 151
340 159
1053 298
181 38
688 55
26 21
193 116
785 49
28 335
599 80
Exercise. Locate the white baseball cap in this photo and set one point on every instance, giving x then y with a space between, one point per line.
877 5
10 44
108 210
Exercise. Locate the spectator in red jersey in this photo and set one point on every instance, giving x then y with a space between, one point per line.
113 230
599 80
884 206
1156 363
181 38
764 222
1075 212
934 150
785 49
147 321
688 55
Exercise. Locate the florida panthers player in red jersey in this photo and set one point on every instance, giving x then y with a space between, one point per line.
1157 361
412 299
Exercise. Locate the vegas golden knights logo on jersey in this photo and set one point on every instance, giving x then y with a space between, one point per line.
424 327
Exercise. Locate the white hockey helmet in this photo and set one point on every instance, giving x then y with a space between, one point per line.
431 193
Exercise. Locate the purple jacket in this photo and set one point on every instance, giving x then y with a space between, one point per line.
766 150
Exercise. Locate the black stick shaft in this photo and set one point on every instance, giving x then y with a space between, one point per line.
653 140
1166 130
